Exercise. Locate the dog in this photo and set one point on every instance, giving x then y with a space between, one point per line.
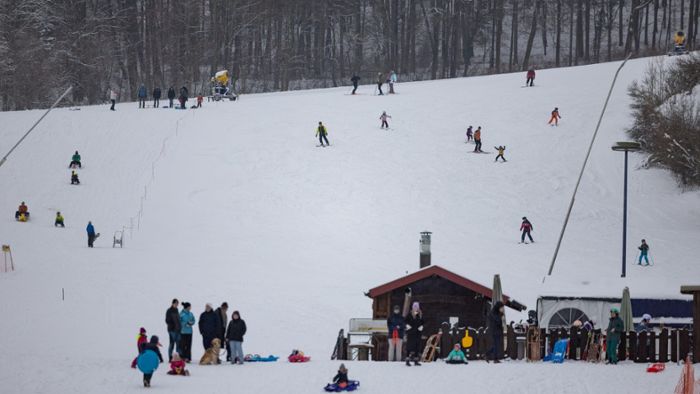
211 356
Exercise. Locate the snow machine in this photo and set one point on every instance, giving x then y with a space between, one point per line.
221 89
253 358
336 388
679 47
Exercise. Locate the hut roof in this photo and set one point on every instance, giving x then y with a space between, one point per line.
436 270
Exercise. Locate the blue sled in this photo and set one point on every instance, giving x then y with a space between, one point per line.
333 388
559 351
256 358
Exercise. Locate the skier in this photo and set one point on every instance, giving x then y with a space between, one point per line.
414 329
615 328
91 234
142 96
396 325
495 326
322 133
234 335
208 326
222 314
184 94
384 118
392 80
22 212
456 356
200 99
526 227
141 340
380 82
59 220
470 134
156 97
355 81
171 96
530 77
555 117
112 98
501 149
172 321
75 161
186 323
477 140
643 252
74 178
151 346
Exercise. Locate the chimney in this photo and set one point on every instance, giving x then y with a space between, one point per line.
425 249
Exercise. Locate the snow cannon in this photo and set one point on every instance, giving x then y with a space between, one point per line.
221 88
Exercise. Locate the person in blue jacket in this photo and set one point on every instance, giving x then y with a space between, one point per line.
396 324
186 323
91 234
142 96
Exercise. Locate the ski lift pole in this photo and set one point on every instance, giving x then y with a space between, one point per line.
4 159
583 167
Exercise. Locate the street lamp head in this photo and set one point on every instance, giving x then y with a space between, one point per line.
627 146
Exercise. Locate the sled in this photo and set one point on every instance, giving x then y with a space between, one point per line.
334 388
656 367
559 351
147 361
298 358
22 217
253 358
431 347
118 239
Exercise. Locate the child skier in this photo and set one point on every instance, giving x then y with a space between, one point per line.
355 81
75 161
59 220
177 366
530 77
501 149
149 359
383 118
74 178
456 356
470 134
526 227
477 140
555 117
141 340
643 252
322 133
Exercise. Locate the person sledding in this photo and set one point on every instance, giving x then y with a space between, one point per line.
643 252
59 220
470 133
554 119
22 213
141 340
530 77
74 178
526 228
178 366
75 161
456 356
501 150
383 117
322 134
149 359
297 356
341 382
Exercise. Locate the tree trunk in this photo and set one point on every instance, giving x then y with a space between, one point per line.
557 50
531 37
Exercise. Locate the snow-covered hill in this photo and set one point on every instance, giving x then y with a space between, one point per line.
242 206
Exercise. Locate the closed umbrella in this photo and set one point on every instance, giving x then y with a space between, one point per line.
497 293
626 310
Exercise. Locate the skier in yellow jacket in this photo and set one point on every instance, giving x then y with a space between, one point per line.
321 133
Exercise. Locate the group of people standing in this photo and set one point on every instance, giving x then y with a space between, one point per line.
156 94
382 78
409 327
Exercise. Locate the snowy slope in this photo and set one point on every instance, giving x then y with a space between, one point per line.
241 206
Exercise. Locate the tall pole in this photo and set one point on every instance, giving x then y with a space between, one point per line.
624 224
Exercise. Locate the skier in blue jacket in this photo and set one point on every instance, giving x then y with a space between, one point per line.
91 234
142 96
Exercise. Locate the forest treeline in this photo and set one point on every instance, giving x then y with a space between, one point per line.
268 45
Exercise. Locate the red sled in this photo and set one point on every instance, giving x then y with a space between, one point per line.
298 358
656 367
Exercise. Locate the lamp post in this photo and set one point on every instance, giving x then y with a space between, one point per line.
625 147
425 249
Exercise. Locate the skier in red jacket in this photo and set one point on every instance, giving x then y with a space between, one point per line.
526 227
530 77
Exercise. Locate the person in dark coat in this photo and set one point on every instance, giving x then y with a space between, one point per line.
396 324
153 346
92 235
222 313
156 97
234 335
143 94
495 327
171 96
526 228
172 320
184 95
414 330
209 323
355 81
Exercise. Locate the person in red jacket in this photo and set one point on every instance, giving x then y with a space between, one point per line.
141 339
177 366
555 117
526 227
530 77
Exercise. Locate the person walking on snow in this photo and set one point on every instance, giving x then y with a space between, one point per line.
414 329
156 97
322 134
141 340
530 77
615 328
477 140
355 81
112 98
643 252
392 80
234 335
495 327
396 325
470 134
526 227
75 161
501 149
384 118
554 120
91 234
74 178
171 96
59 220
142 96
380 82
151 346
172 321
186 323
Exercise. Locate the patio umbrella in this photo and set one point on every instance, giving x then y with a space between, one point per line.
497 293
626 310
